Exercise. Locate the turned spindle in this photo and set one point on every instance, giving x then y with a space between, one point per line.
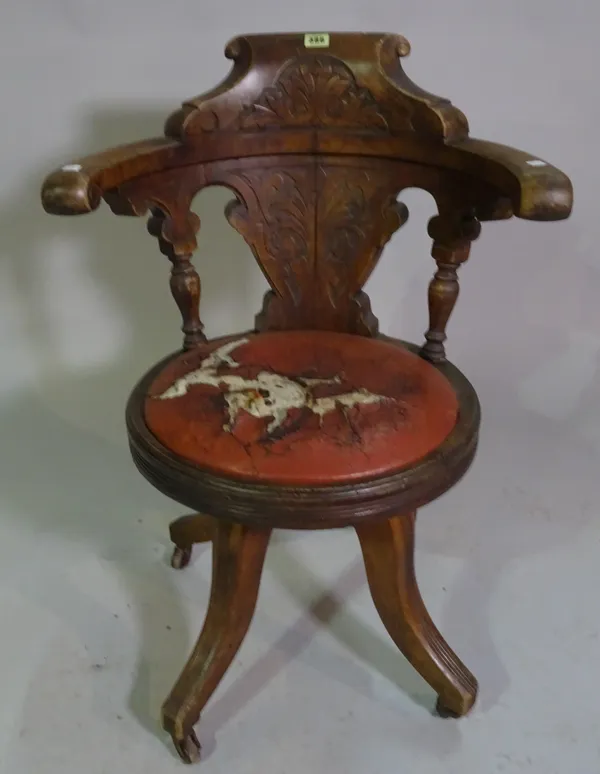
184 281
452 237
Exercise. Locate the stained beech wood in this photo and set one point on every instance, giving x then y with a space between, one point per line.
238 557
388 549
316 146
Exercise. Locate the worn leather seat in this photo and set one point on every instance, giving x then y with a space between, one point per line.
300 408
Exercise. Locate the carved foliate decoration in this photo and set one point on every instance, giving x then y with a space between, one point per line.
356 84
277 220
357 214
317 230
316 91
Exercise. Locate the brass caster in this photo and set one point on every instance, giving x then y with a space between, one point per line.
443 711
188 748
181 557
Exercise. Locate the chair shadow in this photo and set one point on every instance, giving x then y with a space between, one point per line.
486 542
58 483
541 503
527 493
496 518
65 467
61 445
329 609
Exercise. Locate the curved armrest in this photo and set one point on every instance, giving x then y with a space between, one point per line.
77 188
537 190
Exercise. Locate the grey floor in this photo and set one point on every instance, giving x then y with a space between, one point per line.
94 624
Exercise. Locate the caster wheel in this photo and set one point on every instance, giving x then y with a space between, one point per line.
181 557
443 711
188 748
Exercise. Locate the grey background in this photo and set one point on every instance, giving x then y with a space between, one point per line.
95 625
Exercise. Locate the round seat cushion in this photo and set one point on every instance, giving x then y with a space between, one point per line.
300 407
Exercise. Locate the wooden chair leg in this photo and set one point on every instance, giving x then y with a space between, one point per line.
185 532
388 550
238 557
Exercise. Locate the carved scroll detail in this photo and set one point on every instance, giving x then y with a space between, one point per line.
357 83
315 91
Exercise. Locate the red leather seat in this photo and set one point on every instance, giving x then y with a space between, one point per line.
301 408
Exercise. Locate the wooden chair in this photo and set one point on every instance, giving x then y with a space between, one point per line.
312 419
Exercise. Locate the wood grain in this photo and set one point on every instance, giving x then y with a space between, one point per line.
388 550
316 146
238 556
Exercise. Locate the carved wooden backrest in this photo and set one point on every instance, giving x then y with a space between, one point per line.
316 135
